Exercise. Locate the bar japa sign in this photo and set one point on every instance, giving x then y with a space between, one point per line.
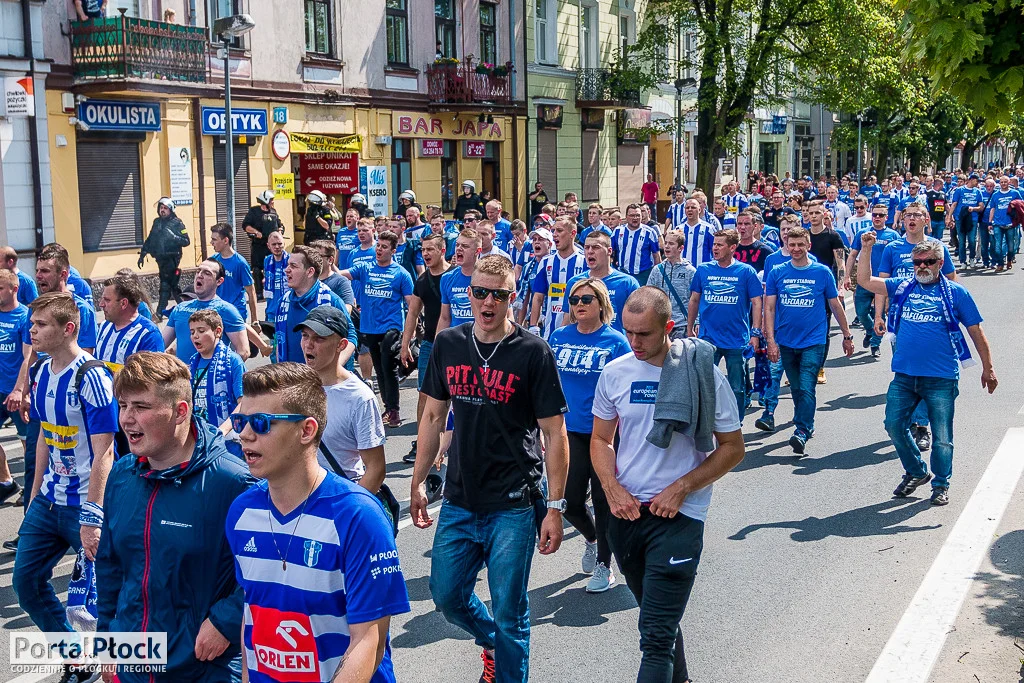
446 126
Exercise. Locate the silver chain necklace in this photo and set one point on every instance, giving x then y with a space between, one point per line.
472 334
273 536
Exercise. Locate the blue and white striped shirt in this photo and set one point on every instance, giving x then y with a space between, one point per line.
734 203
342 568
274 283
634 250
676 214
699 239
114 346
553 273
67 420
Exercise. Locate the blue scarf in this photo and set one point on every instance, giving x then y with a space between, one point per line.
956 337
218 377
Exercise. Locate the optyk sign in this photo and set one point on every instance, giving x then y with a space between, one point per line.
243 121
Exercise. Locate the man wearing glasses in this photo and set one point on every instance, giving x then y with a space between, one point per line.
864 299
314 552
896 263
503 386
928 351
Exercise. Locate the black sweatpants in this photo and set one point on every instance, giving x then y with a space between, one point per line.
581 477
170 277
258 253
385 364
659 557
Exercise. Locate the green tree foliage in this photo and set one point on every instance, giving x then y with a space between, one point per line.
749 53
971 50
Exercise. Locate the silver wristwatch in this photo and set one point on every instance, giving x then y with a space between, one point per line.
559 505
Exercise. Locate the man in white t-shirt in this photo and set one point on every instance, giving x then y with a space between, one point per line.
658 497
353 441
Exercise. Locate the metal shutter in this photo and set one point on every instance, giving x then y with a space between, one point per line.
109 194
591 170
631 172
547 162
242 199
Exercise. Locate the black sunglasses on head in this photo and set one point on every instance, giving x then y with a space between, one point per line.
500 295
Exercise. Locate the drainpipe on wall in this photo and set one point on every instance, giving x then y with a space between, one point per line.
512 90
197 133
526 102
33 129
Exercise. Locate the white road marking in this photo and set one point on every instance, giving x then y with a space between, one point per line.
407 522
1021 411
915 645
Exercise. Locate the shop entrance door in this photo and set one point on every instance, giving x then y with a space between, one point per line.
489 169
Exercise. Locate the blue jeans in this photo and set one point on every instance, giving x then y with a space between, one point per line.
967 230
938 227
770 397
736 371
1002 243
504 540
864 302
31 438
986 246
46 533
421 362
1014 242
938 395
802 367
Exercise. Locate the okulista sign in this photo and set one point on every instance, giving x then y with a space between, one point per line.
120 115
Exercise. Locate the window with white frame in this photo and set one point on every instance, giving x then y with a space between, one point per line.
588 36
544 34
626 35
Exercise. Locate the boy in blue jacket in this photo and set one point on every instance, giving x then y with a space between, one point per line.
162 563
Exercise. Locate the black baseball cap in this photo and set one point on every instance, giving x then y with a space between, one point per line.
325 321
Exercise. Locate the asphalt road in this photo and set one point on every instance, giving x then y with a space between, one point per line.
809 564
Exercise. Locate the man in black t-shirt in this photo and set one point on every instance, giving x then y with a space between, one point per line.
259 222
538 198
426 299
828 248
776 210
504 389
937 204
751 251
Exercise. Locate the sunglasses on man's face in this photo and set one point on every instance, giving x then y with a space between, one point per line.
470 220
585 299
500 295
261 422
879 215
925 262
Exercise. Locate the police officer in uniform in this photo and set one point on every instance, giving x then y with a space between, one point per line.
164 243
259 223
318 221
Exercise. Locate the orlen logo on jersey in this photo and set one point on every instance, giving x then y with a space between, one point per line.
284 644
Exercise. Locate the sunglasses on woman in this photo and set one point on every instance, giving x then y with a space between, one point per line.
500 295
260 422
585 299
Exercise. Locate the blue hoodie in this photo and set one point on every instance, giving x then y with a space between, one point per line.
164 563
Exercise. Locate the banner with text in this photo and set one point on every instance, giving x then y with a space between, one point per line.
306 143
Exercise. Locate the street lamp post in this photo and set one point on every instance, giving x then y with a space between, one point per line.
860 153
228 28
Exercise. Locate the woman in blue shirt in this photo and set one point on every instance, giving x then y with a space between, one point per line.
582 348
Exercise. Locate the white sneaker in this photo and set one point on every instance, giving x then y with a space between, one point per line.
589 558
602 580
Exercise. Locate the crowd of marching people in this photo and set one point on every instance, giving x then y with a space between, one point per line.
568 368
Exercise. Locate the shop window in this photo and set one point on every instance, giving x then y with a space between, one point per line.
398 32
401 168
591 166
110 194
444 27
319 18
449 171
488 33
